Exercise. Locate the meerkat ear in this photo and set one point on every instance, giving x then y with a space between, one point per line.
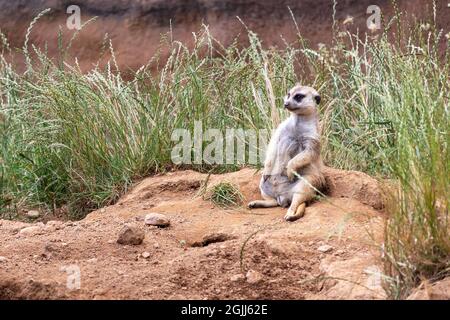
317 98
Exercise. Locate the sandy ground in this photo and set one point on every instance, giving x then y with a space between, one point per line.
207 252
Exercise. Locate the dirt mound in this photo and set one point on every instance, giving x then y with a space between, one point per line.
206 252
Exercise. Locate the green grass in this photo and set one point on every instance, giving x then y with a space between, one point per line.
78 140
225 194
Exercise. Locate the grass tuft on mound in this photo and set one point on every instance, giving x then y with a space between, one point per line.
225 195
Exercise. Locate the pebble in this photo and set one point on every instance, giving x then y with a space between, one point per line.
131 235
29 231
56 224
157 219
325 248
33 214
146 254
253 276
237 277
3 259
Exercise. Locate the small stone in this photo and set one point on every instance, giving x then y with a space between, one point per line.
211 238
325 248
51 247
102 210
131 235
111 241
254 277
99 292
29 231
157 219
33 214
156 246
145 255
237 277
3 259
55 224
92 260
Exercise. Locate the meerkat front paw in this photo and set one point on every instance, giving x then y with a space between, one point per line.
290 171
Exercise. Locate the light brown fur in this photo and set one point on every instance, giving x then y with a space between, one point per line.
293 150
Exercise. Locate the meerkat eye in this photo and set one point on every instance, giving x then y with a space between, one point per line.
299 97
317 98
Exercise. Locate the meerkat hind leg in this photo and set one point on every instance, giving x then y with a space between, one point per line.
298 205
298 213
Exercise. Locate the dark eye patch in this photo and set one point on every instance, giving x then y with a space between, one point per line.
317 98
299 97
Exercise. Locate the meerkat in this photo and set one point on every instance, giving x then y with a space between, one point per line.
293 149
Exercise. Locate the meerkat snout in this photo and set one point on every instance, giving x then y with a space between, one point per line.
302 100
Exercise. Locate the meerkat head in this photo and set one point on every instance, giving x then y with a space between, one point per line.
302 100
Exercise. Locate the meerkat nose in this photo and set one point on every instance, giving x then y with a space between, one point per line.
286 104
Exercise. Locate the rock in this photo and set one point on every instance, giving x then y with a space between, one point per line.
145 255
33 214
30 231
157 219
3 259
211 238
55 224
237 278
254 277
131 235
439 290
354 278
325 248
52 247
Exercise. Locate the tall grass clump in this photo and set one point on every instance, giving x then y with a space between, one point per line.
78 140
417 238
388 115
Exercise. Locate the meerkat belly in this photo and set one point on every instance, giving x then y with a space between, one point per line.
278 187
277 184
